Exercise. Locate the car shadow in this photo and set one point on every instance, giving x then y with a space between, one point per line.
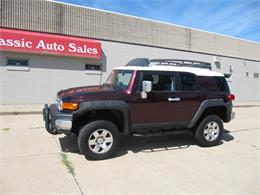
143 144
137 143
227 137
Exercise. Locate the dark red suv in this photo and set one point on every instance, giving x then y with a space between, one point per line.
145 97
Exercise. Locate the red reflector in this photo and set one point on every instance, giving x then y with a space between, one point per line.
231 97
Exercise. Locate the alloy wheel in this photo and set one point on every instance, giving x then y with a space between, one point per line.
100 141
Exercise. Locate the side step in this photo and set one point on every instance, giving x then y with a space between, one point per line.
160 133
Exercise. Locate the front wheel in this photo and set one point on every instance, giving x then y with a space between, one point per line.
209 131
98 140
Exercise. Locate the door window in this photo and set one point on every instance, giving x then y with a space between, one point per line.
160 81
188 82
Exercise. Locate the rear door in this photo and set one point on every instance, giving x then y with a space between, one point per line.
188 90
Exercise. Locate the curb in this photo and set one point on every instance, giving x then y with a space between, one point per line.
40 112
245 106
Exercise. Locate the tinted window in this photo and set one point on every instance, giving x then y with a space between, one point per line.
188 82
208 84
221 84
160 81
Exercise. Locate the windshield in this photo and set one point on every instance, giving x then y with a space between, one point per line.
119 79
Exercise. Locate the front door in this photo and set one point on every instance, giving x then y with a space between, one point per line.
161 107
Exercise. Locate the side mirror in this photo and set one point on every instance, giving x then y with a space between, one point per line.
146 88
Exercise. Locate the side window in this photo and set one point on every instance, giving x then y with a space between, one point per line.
221 84
188 82
208 84
160 81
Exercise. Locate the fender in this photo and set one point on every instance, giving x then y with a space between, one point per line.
207 104
107 105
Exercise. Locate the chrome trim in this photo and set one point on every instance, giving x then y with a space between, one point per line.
63 124
174 99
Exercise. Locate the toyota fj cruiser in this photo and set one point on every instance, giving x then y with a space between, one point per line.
145 97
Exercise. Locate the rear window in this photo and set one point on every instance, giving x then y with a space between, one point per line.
214 84
221 84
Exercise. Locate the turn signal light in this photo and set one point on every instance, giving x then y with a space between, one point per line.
70 106
231 97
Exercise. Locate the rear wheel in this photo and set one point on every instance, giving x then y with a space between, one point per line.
209 131
98 140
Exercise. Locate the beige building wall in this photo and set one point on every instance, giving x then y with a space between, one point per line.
60 18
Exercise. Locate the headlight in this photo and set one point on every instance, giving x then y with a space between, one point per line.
59 104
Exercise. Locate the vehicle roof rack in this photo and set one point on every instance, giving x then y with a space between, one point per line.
180 62
169 62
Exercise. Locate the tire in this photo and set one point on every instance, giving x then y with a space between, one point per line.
209 132
98 140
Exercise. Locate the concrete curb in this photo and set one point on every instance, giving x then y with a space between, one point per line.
40 112
245 106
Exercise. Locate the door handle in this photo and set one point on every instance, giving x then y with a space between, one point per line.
175 99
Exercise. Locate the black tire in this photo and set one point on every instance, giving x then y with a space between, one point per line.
87 132
206 139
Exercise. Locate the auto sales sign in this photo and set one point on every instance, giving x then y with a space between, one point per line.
33 42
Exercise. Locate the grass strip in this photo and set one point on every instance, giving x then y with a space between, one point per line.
65 161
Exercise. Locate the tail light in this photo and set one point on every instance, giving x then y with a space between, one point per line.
231 97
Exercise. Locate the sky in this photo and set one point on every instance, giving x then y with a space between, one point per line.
237 18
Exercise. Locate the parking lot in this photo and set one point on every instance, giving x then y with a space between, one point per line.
35 162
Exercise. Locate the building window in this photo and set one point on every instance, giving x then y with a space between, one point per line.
93 68
17 64
256 75
247 74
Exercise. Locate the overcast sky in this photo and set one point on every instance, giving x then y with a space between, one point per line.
238 18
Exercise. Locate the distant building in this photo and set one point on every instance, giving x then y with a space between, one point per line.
47 46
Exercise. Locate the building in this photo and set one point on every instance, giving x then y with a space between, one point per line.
47 46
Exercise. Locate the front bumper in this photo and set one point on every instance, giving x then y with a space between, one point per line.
56 121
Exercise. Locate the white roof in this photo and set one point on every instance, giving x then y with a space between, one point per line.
196 71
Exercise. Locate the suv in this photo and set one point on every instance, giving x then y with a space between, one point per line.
145 97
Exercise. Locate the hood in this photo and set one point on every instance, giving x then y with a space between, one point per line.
79 90
96 92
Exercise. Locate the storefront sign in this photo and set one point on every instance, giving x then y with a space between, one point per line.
32 42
